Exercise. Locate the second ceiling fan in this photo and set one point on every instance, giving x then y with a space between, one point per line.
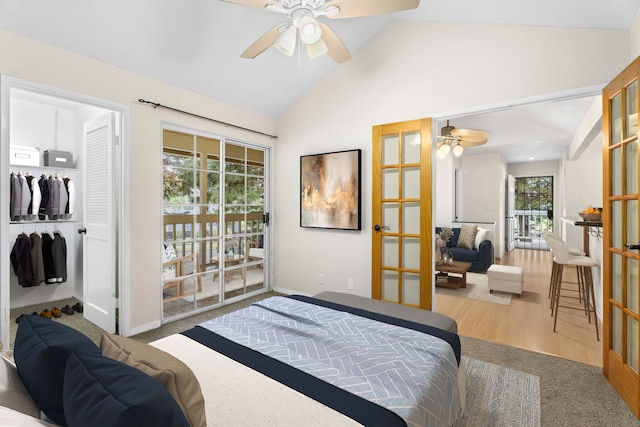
456 140
305 28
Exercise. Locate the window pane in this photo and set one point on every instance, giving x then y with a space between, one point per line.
616 119
390 150
213 188
255 190
390 286
234 191
235 158
632 110
411 147
632 167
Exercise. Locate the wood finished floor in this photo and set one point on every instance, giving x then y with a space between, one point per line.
527 322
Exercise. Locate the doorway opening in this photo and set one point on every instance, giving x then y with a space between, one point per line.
533 212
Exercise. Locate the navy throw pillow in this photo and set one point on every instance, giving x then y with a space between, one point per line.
41 350
100 391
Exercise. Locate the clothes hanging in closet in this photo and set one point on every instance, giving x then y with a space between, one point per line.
52 197
21 261
38 259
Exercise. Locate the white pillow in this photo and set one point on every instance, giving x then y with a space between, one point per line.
11 418
481 236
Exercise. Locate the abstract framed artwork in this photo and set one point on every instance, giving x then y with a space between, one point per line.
330 190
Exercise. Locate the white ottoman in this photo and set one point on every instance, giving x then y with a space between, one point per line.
505 278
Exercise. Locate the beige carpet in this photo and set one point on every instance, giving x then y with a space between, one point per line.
476 289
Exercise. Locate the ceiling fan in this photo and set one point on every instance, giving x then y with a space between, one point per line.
316 36
456 140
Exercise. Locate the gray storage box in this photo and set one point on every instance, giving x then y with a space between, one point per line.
24 156
58 159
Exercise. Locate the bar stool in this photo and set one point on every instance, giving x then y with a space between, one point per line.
583 266
582 293
547 235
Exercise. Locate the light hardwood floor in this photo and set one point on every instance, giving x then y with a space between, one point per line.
527 322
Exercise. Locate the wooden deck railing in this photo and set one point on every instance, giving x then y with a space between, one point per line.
204 230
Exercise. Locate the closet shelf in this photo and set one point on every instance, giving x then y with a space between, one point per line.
46 221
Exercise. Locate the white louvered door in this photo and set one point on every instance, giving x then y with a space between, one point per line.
99 243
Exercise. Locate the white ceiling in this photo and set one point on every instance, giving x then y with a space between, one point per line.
196 44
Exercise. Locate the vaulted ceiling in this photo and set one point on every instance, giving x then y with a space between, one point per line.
196 44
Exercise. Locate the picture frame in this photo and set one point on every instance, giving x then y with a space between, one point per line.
330 187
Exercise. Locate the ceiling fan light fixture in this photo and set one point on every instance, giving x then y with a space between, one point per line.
457 150
286 41
310 31
443 150
316 49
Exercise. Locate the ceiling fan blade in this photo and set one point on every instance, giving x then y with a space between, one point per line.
263 43
335 48
471 137
356 8
258 4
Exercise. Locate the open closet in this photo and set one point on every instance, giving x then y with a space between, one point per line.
58 169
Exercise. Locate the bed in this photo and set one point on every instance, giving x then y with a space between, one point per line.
333 359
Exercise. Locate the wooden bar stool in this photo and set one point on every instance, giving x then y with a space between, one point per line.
586 295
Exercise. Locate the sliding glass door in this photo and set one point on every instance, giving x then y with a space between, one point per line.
214 221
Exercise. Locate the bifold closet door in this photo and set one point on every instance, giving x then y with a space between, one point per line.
99 259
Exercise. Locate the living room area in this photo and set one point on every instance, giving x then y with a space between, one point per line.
473 190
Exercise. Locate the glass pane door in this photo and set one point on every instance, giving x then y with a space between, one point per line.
621 224
213 221
402 177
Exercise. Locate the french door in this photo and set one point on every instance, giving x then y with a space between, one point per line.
214 220
402 239
621 299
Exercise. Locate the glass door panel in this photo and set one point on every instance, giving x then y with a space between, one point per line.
213 221
631 101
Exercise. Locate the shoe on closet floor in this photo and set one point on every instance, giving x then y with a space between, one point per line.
67 310
55 312
77 307
45 313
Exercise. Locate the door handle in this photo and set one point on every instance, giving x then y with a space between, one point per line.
82 230
635 247
380 227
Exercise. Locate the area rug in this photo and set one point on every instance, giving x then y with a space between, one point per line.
499 396
477 289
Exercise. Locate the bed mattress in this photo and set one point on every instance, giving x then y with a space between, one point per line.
241 389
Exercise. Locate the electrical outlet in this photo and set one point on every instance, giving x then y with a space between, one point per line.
350 284
322 279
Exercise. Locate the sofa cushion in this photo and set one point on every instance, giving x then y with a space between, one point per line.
100 389
463 254
467 237
41 350
173 374
481 236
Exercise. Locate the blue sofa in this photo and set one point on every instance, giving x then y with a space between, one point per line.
480 258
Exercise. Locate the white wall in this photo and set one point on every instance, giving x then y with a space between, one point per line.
37 62
582 186
484 193
402 74
635 38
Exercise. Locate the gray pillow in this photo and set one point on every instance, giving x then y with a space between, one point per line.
467 237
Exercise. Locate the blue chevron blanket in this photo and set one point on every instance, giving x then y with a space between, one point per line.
413 374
